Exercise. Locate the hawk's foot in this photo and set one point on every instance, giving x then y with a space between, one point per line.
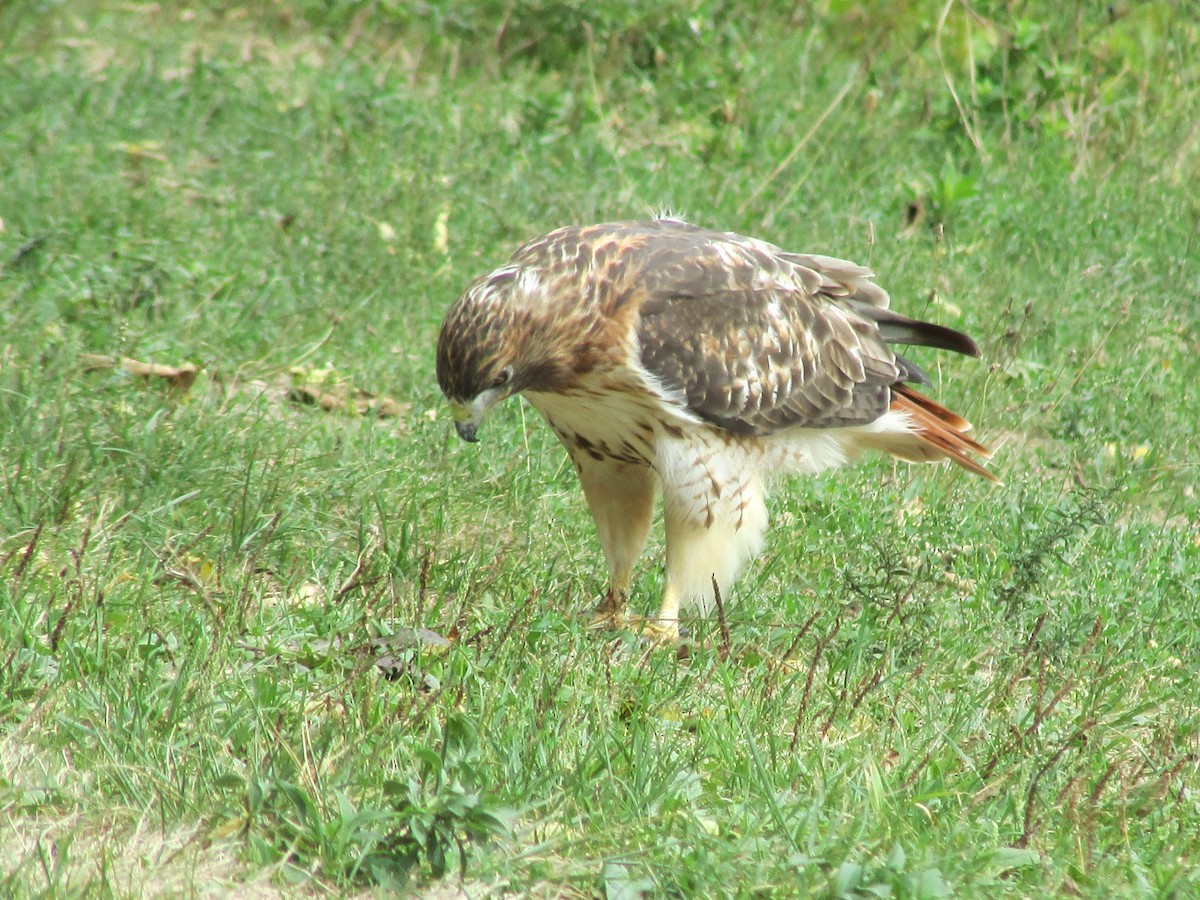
609 614
662 632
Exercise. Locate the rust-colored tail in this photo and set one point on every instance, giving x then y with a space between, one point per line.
942 433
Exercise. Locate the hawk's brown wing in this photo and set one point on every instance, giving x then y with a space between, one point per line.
793 341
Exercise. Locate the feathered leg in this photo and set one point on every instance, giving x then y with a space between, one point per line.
621 498
712 532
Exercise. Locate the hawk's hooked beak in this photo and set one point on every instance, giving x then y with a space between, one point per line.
469 412
467 416
466 420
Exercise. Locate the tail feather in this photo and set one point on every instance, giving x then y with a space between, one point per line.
897 329
942 433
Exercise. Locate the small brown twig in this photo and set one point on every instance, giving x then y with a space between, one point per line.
769 677
808 681
723 624
1030 820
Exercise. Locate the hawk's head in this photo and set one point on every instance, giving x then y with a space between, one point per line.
496 341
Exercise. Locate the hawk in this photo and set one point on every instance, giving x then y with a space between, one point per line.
669 357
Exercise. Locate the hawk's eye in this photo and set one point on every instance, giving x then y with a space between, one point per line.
503 378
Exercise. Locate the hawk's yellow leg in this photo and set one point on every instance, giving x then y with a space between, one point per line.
664 628
621 498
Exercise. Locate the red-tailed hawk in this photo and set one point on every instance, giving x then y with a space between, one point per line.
667 356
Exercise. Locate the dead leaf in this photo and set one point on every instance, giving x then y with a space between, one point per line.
92 362
914 212
354 401
441 231
396 654
384 407
179 377
409 639
314 375
313 397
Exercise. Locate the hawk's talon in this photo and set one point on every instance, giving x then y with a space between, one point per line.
609 614
662 633
611 620
659 632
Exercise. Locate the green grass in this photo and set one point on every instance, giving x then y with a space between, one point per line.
993 690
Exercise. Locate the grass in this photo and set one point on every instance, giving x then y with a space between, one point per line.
212 598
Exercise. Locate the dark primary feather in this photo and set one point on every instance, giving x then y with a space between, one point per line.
897 329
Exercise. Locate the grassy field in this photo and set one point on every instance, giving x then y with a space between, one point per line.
268 628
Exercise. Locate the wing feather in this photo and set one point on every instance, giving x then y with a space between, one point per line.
758 339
